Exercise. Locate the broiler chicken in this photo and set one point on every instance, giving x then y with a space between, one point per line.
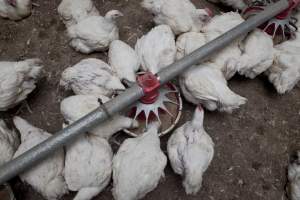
91 76
15 9
181 15
89 158
157 49
227 59
17 80
284 74
189 42
73 11
47 176
205 84
9 143
190 151
124 60
88 166
258 54
75 107
94 33
138 166
294 177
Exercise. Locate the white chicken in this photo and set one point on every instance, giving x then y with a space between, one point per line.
88 166
227 59
75 107
284 74
89 158
181 15
91 76
138 166
205 84
191 151
157 49
124 60
258 54
47 176
294 177
94 33
73 11
189 42
236 4
222 23
17 80
9 143
15 9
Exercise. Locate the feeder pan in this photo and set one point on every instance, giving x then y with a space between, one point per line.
282 27
6 192
164 105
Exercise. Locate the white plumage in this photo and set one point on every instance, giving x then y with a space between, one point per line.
205 84
189 42
284 74
294 177
156 49
47 176
94 33
75 107
190 151
89 158
227 59
73 11
88 166
124 60
15 9
9 143
222 23
17 80
258 54
91 76
138 166
181 15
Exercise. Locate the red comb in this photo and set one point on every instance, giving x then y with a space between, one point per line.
200 107
209 11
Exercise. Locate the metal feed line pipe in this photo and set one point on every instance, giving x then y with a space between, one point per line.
38 153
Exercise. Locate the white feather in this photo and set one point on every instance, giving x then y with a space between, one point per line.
156 50
21 10
124 60
191 151
17 80
258 54
138 166
91 76
205 84
181 15
47 176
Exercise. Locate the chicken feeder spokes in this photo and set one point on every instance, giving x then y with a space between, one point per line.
282 26
161 104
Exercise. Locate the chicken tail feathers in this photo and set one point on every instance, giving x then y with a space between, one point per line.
231 101
56 188
87 193
32 68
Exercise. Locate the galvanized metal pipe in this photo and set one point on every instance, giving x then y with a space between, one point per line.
131 95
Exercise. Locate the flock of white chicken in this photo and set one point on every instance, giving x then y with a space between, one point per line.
139 164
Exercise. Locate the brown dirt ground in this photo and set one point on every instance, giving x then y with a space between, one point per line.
251 145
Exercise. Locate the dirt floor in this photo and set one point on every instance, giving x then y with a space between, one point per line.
252 145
